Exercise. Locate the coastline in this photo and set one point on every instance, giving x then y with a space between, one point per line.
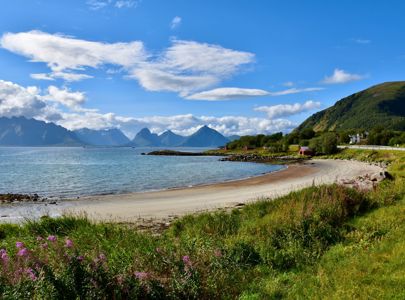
165 205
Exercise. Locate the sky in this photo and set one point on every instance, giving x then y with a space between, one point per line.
239 66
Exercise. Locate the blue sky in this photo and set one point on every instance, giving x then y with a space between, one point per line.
242 67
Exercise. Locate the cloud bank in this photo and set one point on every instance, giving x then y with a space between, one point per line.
65 107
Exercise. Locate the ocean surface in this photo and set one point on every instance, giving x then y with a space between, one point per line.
72 172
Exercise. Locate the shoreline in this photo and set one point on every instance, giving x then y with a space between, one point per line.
166 205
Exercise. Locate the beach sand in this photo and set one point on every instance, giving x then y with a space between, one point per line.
164 205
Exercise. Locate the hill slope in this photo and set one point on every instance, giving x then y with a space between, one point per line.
379 105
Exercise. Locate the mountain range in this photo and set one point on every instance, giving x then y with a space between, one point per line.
20 131
203 137
381 105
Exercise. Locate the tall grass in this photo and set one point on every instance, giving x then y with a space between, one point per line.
287 247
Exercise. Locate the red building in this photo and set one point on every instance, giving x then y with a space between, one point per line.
306 151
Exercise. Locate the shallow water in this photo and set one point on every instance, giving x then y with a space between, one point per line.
71 172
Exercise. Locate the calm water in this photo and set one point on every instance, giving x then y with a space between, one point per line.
71 172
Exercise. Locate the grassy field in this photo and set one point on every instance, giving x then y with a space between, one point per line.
322 242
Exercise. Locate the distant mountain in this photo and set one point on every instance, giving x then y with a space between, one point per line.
380 105
205 137
145 138
20 131
170 139
106 137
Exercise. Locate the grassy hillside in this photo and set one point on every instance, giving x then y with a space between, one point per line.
381 105
320 242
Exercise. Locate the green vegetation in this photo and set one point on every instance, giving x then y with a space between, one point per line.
274 142
320 242
381 105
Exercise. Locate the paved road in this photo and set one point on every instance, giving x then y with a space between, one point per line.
372 147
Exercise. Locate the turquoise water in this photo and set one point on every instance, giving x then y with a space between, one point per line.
72 172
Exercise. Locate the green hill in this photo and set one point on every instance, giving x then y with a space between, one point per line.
380 105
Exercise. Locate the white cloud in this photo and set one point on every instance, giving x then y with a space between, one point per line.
62 53
100 4
175 22
188 66
70 99
158 80
227 94
19 101
231 93
127 3
70 77
285 110
185 67
296 91
64 107
341 76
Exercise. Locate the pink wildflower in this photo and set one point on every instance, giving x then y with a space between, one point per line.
23 252
31 274
186 260
52 238
68 243
19 245
80 258
141 275
3 255
40 238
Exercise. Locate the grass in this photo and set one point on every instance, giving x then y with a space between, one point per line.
320 242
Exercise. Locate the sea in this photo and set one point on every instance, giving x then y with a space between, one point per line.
70 172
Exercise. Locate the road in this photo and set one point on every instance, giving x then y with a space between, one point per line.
372 147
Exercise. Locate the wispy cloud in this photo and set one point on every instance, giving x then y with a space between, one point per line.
361 41
341 76
126 3
65 55
175 22
100 4
231 93
286 110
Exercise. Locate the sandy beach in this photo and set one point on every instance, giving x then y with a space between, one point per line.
164 205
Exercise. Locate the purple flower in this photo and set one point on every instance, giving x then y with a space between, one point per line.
40 238
141 275
52 238
3 255
19 245
186 260
80 258
31 274
23 252
68 243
